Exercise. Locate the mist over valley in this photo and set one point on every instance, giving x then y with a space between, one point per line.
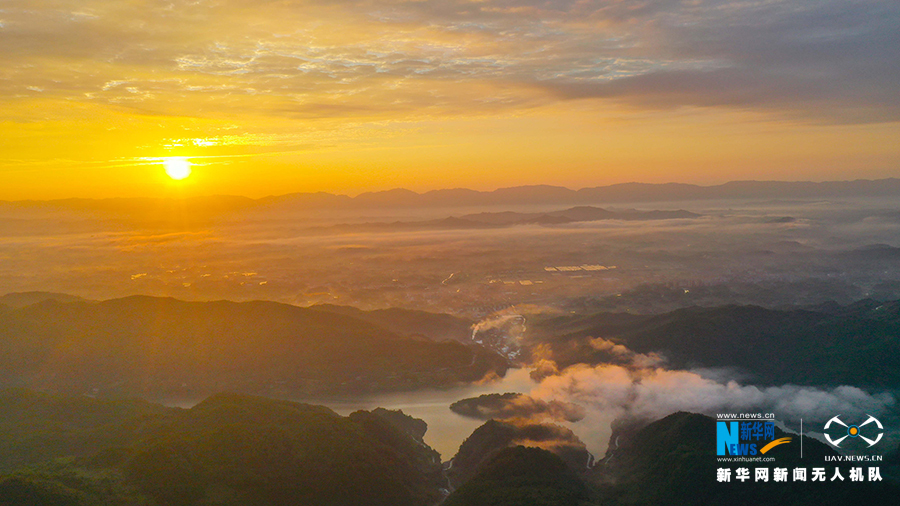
438 340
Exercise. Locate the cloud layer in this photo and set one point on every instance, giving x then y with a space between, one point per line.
653 393
831 60
517 406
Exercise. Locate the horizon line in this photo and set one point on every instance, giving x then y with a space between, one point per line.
438 190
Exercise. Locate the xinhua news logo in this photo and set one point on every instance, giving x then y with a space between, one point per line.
746 438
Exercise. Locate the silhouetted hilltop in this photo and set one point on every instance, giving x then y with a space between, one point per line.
239 450
858 344
235 449
495 436
400 420
228 450
36 427
166 347
409 322
380 425
524 477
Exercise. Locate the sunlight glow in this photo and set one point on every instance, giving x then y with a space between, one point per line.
177 168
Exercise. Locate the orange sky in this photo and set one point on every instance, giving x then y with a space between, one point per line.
350 96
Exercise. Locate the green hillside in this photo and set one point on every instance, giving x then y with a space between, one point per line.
159 347
831 345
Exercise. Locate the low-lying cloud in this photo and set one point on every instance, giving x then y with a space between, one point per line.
516 406
652 393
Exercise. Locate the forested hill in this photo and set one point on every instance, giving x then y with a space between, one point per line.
858 344
162 347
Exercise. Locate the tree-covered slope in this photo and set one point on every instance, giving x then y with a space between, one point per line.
164 347
830 345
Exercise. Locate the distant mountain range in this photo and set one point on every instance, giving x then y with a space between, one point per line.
510 219
198 208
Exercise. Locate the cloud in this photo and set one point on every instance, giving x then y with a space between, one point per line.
653 393
516 406
545 360
829 64
549 437
621 354
832 60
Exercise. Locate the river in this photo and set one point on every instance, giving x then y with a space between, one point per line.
447 430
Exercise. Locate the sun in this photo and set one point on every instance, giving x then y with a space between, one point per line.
177 167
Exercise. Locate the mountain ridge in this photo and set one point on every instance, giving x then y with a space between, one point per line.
161 346
516 195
